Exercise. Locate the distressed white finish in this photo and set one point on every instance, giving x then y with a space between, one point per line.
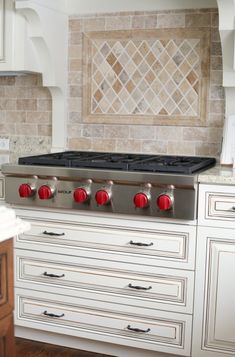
217 206
96 271
2 31
214 289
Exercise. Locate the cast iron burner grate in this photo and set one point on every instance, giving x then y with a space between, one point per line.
122 161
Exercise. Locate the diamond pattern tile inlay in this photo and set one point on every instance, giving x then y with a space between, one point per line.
157 77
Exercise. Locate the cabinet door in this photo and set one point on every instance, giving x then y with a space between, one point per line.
2 29
6 278
7 347
214 329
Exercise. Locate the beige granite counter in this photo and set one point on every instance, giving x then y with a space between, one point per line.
221 175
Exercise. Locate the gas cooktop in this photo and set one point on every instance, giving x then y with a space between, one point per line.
121 161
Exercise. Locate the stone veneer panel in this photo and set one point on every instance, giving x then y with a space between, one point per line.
146 76
165 137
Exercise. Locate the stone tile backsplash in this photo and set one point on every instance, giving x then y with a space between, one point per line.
196 129
100 115
25 115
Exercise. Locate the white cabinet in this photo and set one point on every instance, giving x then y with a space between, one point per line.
17 53
2 17
106 279
214 320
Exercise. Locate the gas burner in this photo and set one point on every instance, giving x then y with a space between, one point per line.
121 161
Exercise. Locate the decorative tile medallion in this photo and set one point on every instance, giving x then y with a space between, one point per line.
146 77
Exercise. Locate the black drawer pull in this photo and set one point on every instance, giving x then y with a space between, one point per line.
52 315
53 275
53 234
139 244
233 208
138 287
137 329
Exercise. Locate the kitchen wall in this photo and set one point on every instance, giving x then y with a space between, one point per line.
25 105
196 138
25 115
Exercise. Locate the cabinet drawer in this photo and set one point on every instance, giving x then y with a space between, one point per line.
218 207
151 288
156 330
168 245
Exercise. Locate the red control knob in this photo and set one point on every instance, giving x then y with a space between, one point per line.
164 202
45 192
80 195
25 190
102 197
141 200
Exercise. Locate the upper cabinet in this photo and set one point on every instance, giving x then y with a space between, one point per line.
16 50
34 38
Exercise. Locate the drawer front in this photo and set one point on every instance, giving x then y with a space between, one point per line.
151 288
167 246
84 318
218 207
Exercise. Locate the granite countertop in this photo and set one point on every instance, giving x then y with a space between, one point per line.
223 175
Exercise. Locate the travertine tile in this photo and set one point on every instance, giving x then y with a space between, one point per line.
74 130
26 129
97 24
80 144
29 80
74 104
26 104
166 133
38 117
44 130
75 65
198 20
75 91
217 106
170 20
7 129
43 105
75 117
216 63
75 78
117 22
150 22
75 52
116 131
7 80
128 145
195 134
154 147
181 148
75 38
13 116
141 132
75 25
9 104
217 92
93 130
104 145
137 22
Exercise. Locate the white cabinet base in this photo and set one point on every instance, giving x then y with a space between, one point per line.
84 344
